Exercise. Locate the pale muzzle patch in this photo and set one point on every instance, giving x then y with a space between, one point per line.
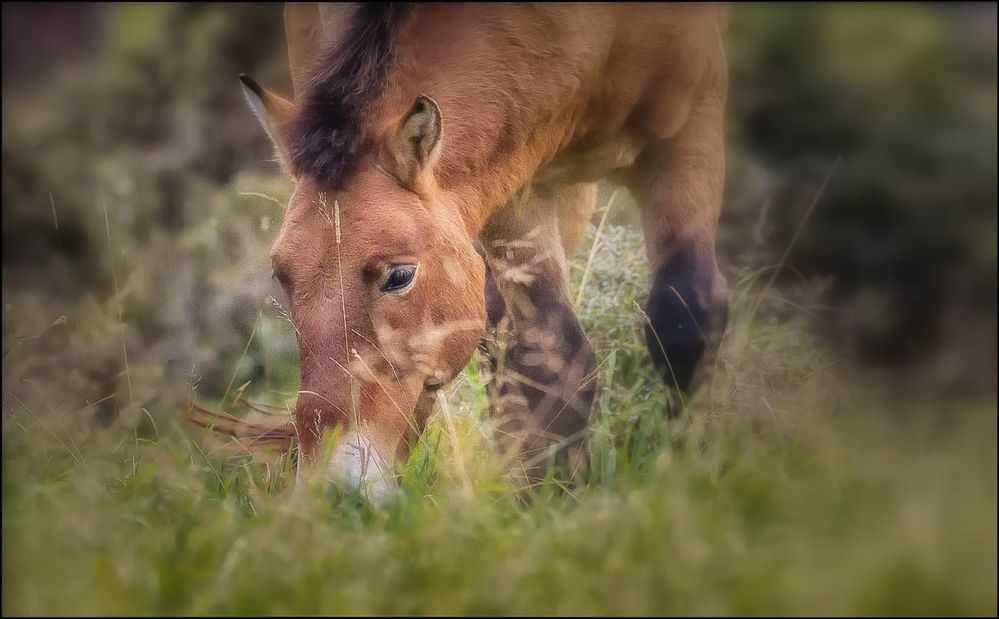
356 464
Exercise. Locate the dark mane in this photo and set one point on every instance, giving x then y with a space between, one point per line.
328 134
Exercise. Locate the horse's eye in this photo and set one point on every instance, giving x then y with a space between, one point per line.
400 276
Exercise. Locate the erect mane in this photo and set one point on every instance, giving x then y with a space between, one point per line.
328 134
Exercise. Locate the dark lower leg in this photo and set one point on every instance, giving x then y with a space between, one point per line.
686 311
544 381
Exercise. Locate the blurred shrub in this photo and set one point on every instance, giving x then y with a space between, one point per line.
906 95
121 189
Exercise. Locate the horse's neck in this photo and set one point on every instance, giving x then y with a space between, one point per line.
509 88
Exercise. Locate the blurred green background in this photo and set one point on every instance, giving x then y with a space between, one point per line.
128 154
843 461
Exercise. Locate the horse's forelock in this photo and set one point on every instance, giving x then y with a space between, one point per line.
328 135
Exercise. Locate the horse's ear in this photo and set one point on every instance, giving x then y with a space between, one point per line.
417 143
273 111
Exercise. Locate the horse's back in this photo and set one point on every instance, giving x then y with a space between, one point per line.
641 68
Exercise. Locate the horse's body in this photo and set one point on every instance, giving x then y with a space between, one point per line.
421 136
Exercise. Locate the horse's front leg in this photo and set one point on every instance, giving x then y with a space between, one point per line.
678 184
544 369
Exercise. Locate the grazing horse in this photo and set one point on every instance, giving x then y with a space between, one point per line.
445 160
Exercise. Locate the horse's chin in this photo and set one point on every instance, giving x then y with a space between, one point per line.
357 465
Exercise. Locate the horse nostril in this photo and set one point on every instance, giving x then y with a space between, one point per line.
280 275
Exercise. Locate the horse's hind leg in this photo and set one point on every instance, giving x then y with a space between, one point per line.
544 379
678 184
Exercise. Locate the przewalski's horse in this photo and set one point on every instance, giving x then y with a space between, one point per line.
420 136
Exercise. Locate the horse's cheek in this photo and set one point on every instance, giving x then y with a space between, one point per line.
464 340
392 335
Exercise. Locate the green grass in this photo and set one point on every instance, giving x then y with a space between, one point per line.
789 485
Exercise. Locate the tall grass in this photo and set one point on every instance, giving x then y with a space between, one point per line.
788 485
